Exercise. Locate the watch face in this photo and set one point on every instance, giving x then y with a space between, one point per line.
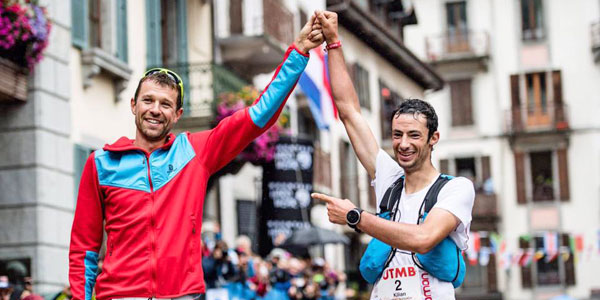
352 217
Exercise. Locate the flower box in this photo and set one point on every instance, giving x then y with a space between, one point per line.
13 81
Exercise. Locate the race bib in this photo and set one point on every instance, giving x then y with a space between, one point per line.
399 283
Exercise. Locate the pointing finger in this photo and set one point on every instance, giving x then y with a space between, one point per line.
323 197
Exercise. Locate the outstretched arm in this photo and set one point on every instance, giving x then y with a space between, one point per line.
221 144
410 237
345 98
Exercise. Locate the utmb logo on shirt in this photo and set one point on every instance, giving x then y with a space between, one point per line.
394 273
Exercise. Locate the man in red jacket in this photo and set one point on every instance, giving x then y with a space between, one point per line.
149 192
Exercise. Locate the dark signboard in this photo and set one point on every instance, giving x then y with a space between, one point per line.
286 188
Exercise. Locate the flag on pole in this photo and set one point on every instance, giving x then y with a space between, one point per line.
314 82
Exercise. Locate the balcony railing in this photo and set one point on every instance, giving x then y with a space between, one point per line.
537 119
485 206
595 31
454 46
203 83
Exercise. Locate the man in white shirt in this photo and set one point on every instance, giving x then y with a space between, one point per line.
414 134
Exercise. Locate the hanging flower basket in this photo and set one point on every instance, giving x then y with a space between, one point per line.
13 81
24 32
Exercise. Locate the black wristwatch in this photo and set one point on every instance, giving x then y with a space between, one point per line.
353 218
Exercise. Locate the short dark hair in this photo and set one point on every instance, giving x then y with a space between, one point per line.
415 107
164 80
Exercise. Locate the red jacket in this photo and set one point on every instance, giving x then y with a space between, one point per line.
152 203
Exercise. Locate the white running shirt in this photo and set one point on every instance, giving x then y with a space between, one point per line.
457 197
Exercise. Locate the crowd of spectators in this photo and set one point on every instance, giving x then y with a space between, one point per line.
241 274
231 273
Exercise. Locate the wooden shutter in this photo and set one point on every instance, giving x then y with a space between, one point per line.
444 166
569 265
526 280
492 283
492 277
79 23
485 168
520 177
80 156
563 174
122 30
559 111
153 35
517 123
460 98
235 17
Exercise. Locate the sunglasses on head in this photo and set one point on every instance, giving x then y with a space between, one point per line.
172 75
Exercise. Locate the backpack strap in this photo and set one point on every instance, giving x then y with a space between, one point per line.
428 203
391 195
432 195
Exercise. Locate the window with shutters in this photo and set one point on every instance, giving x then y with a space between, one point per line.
456 23
100 25
537 99
476 168
552 256
246 220
541 176
361 83
537 103
546 265
532 20
99 30
390 100
460 98
537 181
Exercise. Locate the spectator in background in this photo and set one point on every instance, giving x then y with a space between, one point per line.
28 287
65 294
16 276
259 283
218 267
6 288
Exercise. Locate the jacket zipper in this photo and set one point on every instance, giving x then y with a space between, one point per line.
152 234
111 246
193 224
